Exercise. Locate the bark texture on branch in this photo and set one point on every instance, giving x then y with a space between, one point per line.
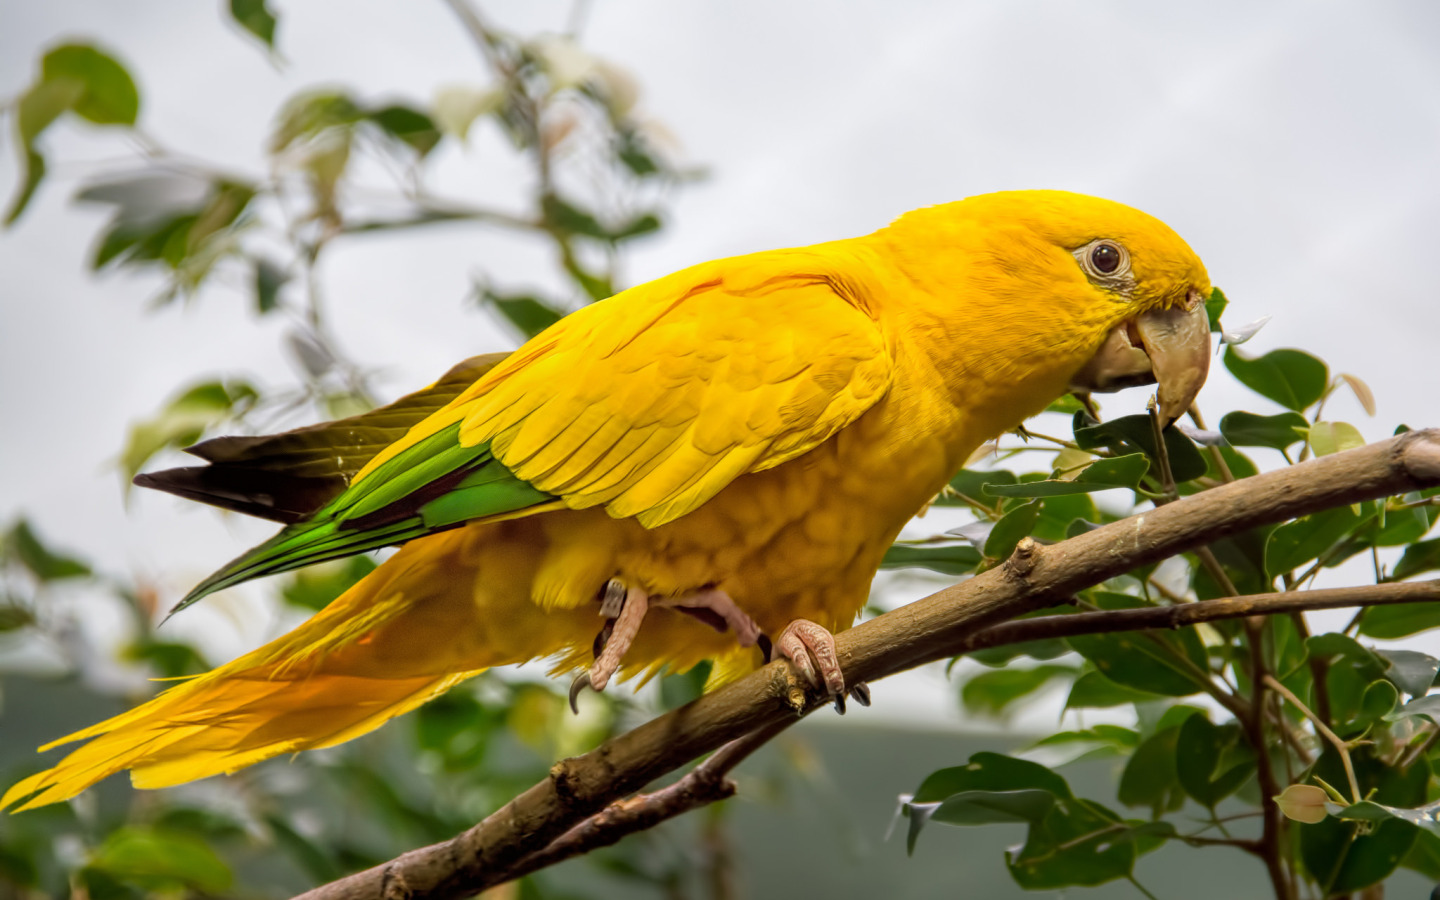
928 629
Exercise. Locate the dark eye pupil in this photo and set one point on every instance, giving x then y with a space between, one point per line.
1105 258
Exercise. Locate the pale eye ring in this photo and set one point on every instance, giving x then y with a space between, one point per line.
1104 260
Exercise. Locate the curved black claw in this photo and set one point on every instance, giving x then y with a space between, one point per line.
861 692
581 682
839 703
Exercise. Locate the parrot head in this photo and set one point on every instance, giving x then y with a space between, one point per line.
1108 297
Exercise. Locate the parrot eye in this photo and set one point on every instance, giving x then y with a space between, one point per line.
1104 260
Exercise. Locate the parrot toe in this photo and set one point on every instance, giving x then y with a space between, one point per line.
811 650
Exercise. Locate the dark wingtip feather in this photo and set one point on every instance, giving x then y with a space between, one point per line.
255 492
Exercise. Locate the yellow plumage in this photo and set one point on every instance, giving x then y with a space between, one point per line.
762 425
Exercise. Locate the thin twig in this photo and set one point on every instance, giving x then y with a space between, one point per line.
1335 741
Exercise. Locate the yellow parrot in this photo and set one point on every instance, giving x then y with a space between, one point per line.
685 471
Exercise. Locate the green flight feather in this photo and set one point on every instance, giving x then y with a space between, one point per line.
430 486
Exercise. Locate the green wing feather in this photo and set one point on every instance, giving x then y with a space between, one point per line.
431 486
301 477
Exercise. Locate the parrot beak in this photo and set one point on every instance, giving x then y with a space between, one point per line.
1169 346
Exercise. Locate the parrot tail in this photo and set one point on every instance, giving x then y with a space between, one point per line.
403 635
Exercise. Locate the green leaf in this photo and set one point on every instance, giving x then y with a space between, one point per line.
1417 558
314 587
1297 543
1013 526
1377 702
1079 843
991 693
1058 514
1101 475
73 77
254 17
971 483
1129 434
269 277
1149 778
1426 707
1094 691
407 125
1397 620
161 860
678 690
183 420
990 807
984 773
1333 437
170 658
1201 748
1369 858
529 315
1215 307
34 174
107 96
1245 429
1424 855
1292 378
569 218
1168 662
990 771
948 559
1411 671
45 564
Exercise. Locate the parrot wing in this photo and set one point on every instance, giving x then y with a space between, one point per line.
288 477
649 403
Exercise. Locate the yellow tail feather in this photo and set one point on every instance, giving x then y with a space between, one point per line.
407 633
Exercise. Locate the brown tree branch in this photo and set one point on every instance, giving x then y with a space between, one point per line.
706 782
928 629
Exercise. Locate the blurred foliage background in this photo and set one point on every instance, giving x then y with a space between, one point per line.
1159 722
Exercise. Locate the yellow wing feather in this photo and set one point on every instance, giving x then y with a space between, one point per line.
651 402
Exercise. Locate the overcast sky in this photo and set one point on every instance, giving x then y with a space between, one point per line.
1294 145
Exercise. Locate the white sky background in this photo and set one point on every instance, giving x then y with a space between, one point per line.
1296 146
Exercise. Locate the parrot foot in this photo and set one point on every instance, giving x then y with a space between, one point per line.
715 608
624 610
810 648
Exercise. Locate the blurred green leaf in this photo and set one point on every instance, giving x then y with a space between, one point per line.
1245 429
269 277
1424 855
1333 437
171 659
1093 690
256 18
73 77
183 420
1202 748
528 314
1292 378
1149 777
1215 308
161 860
314 587
307 114
991 693
45 564
107 96
408 125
